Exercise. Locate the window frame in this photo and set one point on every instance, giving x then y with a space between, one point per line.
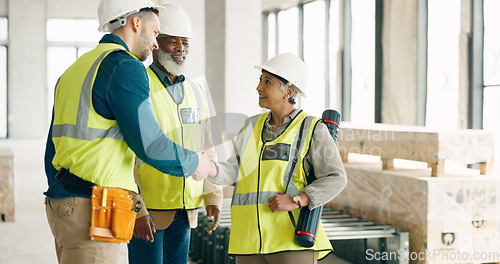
5 43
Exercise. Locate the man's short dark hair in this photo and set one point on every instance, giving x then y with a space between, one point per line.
150 9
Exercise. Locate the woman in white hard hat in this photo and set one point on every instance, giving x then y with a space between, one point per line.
276 151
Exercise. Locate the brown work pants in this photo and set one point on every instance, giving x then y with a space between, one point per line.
293 257
69 221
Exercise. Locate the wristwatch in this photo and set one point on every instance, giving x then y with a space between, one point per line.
296 199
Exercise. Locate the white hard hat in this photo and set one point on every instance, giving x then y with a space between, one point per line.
110 10
176 22
289 67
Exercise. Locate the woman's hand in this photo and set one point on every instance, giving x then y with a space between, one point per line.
282 202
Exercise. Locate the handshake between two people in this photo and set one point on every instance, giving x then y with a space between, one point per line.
205 167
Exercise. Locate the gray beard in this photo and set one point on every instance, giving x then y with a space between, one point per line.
169 64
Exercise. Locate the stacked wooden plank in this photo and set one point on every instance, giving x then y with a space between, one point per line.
7 205
451 218
433 146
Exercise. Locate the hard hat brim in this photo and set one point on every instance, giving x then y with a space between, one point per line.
161 11
264 67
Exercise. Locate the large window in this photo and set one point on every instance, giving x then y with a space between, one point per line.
314 56
363 61
491 43
312 31
288 31
338 46
491 71
307 32
67 40
333 73
3 77
442 67
271 35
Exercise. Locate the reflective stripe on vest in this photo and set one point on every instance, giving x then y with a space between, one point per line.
89 145
264 171
187 128
80 130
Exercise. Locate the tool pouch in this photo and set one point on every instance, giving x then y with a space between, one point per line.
113 218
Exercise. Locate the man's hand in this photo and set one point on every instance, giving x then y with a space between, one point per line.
144 228
205 168
282 202
213 212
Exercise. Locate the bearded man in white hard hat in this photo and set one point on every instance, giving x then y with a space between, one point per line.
170 204
287 160
102 119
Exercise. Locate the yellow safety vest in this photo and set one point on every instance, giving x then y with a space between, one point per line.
89 145
264 171
183 124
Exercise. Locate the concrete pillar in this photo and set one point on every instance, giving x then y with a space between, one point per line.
215 50
233 47
27 78
3 7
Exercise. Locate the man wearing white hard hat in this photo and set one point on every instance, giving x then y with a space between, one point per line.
278 151
170 204
102 119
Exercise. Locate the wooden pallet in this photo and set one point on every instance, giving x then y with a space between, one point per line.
7 206
455 213
391 142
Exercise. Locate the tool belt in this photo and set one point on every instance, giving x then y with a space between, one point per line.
112 217
73 183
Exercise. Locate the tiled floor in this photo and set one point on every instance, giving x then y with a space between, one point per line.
28 239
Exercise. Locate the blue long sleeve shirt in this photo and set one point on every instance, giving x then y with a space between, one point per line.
121 93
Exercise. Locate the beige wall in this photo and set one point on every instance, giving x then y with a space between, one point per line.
3 7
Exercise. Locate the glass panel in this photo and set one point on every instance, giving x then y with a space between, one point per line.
363 61
73 30
271 35
334 55
314 56
3 28
60 29
491 119
87 30
76 33
491 42
58 60
3 92
288 30
491 107
442 68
